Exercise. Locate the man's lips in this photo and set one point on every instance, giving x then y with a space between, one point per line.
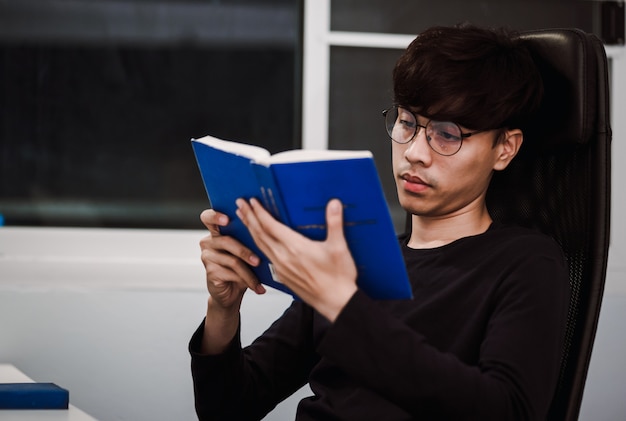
413 184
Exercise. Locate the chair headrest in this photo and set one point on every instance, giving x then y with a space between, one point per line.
568 62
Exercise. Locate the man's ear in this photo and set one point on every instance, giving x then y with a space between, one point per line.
508 148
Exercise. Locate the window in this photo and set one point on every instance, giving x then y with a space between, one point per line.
100 101
100 98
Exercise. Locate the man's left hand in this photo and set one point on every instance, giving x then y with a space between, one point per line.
321 273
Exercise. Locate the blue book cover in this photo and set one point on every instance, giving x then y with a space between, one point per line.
33 396
295 187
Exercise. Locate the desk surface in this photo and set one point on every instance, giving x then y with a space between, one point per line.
10 374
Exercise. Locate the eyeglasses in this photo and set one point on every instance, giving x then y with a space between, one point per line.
444 137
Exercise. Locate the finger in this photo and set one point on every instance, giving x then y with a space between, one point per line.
213 217
230 246
221 278
334 222
274 229
243 210
213 220
224 267
248 216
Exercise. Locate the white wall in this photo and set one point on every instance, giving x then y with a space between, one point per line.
107 314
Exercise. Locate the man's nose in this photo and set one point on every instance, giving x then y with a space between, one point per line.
419 149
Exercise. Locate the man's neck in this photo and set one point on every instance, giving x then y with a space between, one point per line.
431 232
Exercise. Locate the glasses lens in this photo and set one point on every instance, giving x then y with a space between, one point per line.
400 124
444 137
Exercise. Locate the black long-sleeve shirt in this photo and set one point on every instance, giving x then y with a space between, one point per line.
480 340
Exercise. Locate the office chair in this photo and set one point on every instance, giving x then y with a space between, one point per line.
560 184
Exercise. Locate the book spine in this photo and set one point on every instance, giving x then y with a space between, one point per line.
270 195
272 200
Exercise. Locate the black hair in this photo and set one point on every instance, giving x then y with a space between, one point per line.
480 78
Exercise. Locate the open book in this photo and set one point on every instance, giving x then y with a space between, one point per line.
295 187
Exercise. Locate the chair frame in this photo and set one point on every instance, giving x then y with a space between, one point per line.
576 105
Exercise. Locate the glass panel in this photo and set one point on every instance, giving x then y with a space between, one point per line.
412 17
360 89
95 126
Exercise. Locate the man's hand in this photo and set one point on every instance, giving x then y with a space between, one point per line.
227 276
322 273
226 262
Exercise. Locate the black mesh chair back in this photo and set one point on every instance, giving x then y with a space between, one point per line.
560 184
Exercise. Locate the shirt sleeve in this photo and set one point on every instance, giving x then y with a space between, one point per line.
215 379
247 383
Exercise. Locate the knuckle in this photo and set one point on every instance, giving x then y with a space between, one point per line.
207 257
205 241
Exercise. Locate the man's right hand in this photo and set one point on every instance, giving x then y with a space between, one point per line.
228 276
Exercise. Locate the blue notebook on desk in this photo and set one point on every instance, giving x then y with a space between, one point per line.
33 396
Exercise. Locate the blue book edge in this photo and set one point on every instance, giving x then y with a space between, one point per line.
33 396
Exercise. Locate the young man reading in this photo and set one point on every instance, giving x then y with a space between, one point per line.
482 338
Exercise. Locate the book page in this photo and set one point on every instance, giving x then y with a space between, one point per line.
310 155
250 151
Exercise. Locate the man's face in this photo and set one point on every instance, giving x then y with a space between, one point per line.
433 185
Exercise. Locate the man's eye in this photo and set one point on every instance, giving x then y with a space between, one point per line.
447 136
407 123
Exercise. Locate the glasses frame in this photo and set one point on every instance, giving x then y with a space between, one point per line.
418 126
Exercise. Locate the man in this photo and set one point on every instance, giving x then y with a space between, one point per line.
482 337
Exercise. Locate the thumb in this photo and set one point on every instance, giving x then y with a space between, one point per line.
334 221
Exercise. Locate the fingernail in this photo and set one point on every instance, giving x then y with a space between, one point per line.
335 206
254 260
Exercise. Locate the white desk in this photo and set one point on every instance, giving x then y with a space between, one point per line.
10 374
